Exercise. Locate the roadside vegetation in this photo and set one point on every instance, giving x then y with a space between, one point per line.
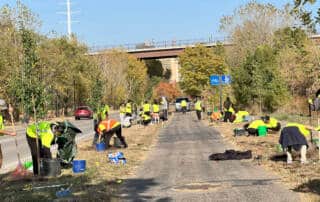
274 65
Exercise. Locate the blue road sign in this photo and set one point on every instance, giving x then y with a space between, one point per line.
225 79
214 80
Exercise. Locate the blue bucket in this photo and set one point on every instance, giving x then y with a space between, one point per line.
100 146
78 166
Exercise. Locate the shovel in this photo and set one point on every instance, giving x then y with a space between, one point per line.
99 139
37 133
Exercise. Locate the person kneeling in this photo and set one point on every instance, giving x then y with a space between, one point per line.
146 119
252 127
107 128
294 136
272 124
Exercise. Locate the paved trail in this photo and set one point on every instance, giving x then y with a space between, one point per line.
178 170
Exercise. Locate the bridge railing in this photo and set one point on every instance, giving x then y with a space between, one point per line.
159 44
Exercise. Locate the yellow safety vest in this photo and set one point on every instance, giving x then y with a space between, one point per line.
183 103
301 127
107 125
155 108
128 108
240 115
197 106
1 123
255 124
145 117
103 112
272 123
44 132
122 110
146 108
229 110
310 101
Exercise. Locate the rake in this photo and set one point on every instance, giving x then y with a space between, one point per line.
19 171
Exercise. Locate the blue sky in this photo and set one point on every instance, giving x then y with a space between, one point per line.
110 22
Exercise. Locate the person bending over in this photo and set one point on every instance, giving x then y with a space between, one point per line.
107 128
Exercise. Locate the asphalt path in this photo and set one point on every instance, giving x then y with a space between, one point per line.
10 158
178 169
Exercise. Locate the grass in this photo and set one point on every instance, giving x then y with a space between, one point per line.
100 181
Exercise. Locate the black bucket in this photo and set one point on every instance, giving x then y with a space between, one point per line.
50 167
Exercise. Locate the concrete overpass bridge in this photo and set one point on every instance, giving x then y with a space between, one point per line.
166 52
162 49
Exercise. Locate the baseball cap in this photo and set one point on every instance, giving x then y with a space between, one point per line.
3 105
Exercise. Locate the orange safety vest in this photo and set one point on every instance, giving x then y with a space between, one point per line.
107 125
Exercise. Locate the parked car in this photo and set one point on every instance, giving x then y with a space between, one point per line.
178 104
83 112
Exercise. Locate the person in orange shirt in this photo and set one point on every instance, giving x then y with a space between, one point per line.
216 115
107 128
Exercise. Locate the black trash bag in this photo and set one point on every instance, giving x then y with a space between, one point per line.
231 155
67 147
316 104
318 93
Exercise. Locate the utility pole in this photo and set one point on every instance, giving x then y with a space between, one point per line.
69 18
69 14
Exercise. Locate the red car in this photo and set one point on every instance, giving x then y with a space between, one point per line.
83 112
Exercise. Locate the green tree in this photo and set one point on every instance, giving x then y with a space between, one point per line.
113 65
258 82
136 77
197 64
96 94
154 68
252 25
69 73
124 77
10 56
31 86
18 61
151 84
296 57
305 14
51 70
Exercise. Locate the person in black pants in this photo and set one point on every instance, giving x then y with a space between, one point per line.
107 128
46 133
228 109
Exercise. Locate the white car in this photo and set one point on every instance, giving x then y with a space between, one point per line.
178 103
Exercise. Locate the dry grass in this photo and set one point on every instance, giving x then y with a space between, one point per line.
304 179
101 180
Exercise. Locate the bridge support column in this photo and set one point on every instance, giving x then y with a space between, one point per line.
174 66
